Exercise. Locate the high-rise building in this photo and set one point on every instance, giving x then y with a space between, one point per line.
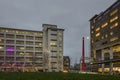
25 50
53 48
105 40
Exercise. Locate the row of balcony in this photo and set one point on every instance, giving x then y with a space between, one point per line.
21 42
20 36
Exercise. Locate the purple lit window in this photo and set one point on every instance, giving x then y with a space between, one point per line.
10 50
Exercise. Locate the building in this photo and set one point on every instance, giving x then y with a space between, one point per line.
66 63
53 48
24 50
105 40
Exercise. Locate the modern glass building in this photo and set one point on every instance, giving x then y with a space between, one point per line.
24 50
105 40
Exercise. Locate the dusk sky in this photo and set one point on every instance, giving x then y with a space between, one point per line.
71 15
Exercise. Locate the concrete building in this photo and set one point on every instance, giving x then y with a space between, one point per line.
105 40
66 63
53 48
24 50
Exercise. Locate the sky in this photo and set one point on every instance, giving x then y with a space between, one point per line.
71 15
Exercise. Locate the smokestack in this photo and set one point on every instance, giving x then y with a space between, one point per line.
83 56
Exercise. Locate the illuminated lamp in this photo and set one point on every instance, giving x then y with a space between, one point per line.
10 50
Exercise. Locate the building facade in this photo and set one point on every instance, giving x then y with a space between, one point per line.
66 63
53 48
105 40
22 50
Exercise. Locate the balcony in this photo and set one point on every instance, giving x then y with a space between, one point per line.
19 36
20 42
10 36
2 41
29 37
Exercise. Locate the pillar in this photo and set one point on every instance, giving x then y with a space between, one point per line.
103 65
111 63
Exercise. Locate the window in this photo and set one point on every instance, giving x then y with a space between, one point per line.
29 48
1 35
92 41
113 39
92 27
102 37
106 35
6 31
1 40
29 42
53 39
92 32
104 25
1 47
98 29
38 48
10 41
9 50
113 26
113 19
20 36
111 33
114 12
20 42
38 43
38 38
29 37
20 48
9 36
52 43
54 34
98 34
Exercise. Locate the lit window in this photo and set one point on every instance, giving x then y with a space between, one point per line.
17 32
98 29
22 48
92 32
106 35
113 26
113 39
116 24
6 30
104 25
40 44
60 33
92 27
92 41
113 19
113 12
102 37
111 33
1 47
41 34
52 43
98 34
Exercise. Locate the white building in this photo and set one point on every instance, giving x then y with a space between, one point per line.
53 47
28 50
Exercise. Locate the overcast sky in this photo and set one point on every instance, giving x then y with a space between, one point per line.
71 15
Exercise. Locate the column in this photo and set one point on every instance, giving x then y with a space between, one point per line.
111 63
103 65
